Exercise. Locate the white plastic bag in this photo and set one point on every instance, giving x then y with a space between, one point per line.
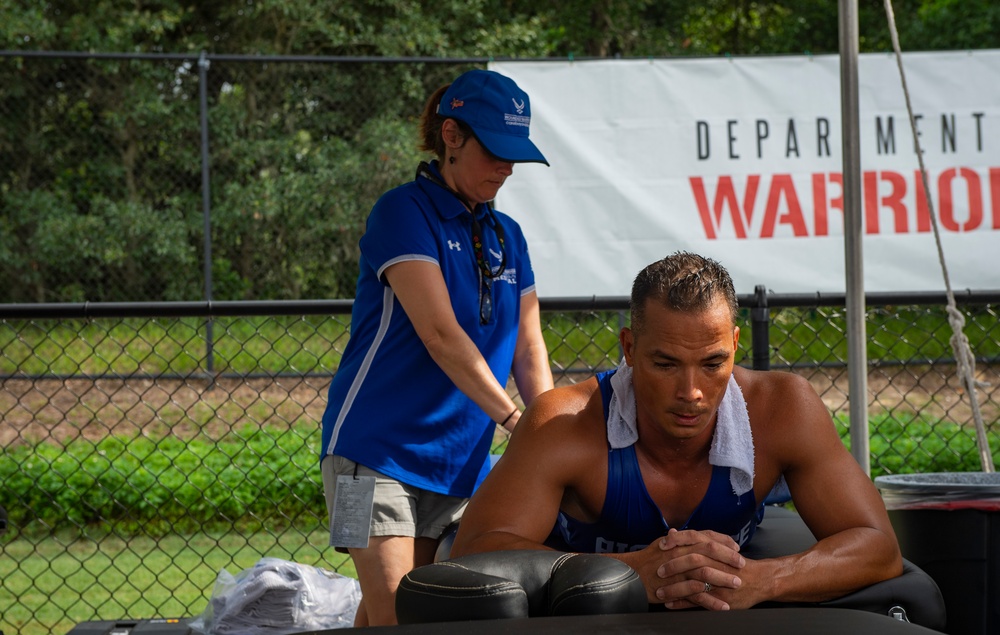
277 597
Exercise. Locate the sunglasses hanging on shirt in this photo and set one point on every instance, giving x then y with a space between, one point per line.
487 273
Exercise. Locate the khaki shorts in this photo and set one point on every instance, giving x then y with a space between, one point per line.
399 509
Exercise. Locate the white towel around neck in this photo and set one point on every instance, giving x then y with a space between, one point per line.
732 442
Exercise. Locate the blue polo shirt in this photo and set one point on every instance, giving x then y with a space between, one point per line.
390 406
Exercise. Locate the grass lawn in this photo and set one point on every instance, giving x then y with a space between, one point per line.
112 579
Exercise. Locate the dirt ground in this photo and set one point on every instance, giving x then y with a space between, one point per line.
62 410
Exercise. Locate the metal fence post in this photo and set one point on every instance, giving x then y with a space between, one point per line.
622 323
857 354
760 326
206 206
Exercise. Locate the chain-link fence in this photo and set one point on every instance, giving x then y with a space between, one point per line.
131 475
122 175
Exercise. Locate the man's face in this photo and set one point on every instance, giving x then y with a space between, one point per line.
681 363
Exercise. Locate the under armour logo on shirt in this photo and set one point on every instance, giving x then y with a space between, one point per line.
455 245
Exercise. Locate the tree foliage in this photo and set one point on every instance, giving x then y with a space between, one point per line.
100 164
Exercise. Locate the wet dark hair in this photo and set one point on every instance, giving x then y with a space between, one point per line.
431 122
682 281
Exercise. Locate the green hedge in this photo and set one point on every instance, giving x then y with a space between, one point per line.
270 476
254 475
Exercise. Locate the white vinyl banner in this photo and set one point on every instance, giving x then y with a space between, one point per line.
740 159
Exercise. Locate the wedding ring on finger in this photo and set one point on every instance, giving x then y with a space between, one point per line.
708 587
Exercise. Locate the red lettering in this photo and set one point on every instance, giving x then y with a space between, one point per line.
923 212
783 206
974 188
819 205
725 196
838 201
869 190
995 195
894 200
820 210
782 187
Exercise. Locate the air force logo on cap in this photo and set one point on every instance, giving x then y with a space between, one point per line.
498 112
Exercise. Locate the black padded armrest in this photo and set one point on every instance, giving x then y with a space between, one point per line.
442 594
913 595
522 583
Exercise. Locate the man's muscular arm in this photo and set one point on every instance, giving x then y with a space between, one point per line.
517 503
856 546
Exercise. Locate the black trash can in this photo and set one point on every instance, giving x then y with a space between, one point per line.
948 524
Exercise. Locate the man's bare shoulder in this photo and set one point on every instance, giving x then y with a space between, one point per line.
570 399
571 415
786 413
773 388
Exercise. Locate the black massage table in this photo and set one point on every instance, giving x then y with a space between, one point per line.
518 593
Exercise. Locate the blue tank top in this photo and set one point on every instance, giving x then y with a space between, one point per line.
630 520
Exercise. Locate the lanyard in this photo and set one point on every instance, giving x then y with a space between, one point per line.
477 230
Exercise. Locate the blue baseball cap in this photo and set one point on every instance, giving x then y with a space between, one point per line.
497 111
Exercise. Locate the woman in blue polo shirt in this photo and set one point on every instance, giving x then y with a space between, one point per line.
445 311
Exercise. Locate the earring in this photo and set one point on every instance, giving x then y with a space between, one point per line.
451 160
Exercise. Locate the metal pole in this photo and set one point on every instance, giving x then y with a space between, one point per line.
857 358
622 323
206 205
760 325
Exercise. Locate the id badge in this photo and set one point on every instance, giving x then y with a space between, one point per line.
352 511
